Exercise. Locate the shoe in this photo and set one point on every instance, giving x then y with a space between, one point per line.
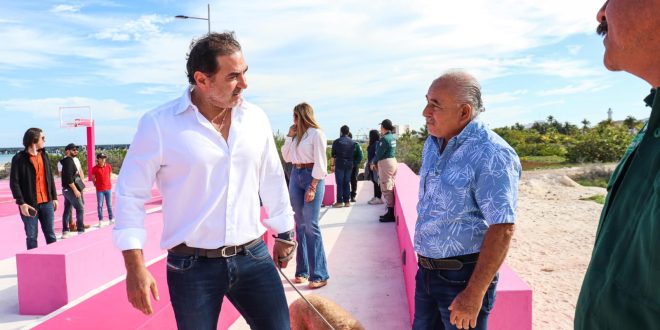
86 226
376 201
66 234
300 279
338 205
372 201
347 204
72 226
317 284
353 200
389 216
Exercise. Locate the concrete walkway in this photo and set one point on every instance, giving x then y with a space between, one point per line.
364 265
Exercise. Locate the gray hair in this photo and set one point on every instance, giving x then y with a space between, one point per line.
468 89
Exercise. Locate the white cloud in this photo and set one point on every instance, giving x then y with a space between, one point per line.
66 8
48 108
574 49
503 97
584 86
142 28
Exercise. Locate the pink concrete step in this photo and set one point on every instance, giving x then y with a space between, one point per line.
513 305
330 195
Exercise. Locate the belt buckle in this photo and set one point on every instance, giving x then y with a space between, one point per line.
224 249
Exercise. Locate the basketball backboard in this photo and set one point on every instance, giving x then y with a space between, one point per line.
71 117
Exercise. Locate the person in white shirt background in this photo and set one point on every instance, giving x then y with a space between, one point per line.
305 147
71 150
213 156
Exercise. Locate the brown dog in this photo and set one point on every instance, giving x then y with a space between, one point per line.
303 317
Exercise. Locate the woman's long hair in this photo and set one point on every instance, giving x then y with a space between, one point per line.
304 119
374 136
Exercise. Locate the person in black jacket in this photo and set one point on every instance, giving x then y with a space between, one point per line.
33 187
72 191
342 157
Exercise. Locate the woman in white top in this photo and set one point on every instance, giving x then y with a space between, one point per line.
305 148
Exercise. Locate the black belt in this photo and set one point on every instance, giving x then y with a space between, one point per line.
221 252
451 263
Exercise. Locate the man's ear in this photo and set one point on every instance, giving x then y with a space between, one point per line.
202 80
466 112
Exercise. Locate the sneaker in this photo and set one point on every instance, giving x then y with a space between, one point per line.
338 205
353 200
300 279
67 234
376 201
317 284
347 204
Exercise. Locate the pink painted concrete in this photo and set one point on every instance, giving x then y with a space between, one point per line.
513 305
102 310
330 194
51 276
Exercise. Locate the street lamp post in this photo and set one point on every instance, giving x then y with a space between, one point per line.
207 19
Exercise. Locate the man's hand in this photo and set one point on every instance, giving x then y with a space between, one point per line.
77 193
310 194
139 282
465 309
25 209
55 205
283 249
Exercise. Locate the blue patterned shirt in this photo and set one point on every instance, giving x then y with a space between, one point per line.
471 185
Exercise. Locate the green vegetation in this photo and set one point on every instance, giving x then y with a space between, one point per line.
600 199
595 177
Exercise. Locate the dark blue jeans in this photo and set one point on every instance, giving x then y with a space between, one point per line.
436 289
310 255
100 196
46 217
343 180
250 281
78 205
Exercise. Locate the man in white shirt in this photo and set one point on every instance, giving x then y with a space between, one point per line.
213 155
68 226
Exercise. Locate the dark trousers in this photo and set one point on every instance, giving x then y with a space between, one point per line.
46 217
343 180
436 289
374 179
79 205
354 174
197 286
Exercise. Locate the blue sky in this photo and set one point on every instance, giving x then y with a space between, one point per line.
355 62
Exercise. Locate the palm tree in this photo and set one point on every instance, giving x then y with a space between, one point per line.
585 124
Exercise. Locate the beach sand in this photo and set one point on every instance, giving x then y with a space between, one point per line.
552 245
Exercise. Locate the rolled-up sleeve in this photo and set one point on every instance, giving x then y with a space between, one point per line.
133 189
286 149
273 190
320 169
497 187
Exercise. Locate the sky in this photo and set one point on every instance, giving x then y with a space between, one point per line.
355 62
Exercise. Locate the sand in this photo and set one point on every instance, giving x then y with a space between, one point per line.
552 245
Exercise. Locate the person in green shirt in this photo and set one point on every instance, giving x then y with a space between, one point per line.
358 155
621 288
385 163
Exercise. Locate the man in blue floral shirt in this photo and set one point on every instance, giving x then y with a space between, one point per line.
467 203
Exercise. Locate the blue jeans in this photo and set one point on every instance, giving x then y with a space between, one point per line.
78 205
46 217
100 196
436 289
250 281
343 180
310 256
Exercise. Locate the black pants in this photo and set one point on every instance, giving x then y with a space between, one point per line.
377 192
354 174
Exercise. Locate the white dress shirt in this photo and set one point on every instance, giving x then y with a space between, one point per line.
210 186
311 149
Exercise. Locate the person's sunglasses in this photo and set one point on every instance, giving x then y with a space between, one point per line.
43 138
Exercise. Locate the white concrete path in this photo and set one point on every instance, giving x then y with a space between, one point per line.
366 277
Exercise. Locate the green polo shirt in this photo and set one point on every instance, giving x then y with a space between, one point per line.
621 289
386 147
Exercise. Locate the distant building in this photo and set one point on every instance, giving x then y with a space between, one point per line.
401 129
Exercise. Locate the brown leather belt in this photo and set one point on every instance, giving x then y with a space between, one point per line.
308 166
451 263
221 252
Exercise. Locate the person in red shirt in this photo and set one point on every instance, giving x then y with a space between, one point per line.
101 175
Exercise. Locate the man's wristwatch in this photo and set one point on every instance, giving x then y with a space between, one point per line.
287 235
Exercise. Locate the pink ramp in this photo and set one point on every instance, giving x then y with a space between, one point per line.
330 194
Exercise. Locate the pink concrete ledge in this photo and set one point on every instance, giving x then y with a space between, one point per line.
110 308
513 303
330 195
53 275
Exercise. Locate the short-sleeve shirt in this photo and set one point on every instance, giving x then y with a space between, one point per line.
102 175
464 189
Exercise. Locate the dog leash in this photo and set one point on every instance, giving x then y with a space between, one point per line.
287 258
